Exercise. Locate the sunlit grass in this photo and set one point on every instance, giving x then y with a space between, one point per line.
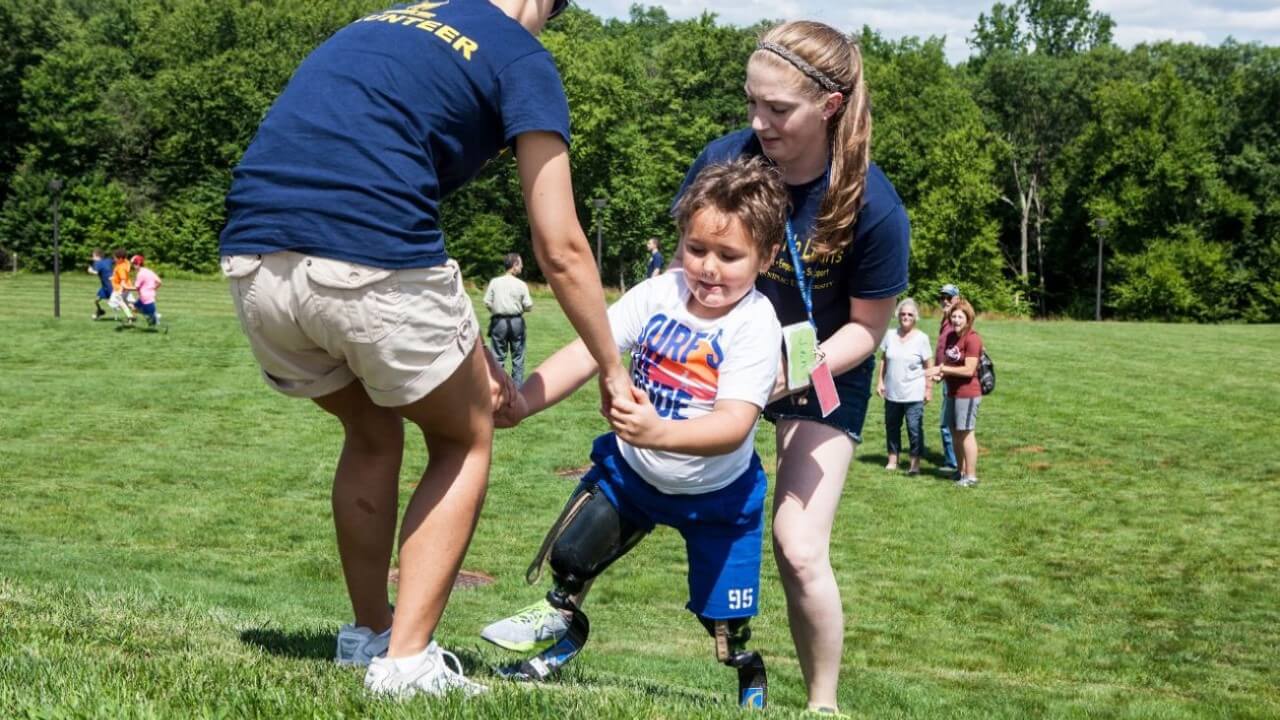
166 548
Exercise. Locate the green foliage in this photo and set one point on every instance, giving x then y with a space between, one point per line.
480 247
1184 278
1004 162
182 233
930 139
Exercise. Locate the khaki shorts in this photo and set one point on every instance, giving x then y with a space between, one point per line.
316 324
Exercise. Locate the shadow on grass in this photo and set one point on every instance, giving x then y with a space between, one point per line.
307 645
930 463
579 677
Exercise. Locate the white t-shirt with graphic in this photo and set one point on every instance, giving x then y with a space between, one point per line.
686 364
904 365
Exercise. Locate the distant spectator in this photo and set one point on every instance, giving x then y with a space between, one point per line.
102 267
905 357
147 282
507 298
656 262
946 297
961 350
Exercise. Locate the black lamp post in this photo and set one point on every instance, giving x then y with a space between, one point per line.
55 187
599 204
1099 225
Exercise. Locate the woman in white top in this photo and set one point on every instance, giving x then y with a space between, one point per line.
905 355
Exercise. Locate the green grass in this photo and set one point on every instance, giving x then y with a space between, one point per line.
166 548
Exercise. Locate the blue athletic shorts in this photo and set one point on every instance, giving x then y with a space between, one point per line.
104 294
148 309
722 530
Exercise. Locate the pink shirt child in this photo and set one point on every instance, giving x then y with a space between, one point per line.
147 282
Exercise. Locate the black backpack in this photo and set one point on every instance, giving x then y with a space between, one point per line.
986 373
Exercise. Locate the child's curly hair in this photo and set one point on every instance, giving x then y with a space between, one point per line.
747 188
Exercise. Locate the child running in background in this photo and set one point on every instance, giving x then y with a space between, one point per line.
120 286
705 351
102 267
147 282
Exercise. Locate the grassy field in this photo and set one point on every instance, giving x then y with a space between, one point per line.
166 548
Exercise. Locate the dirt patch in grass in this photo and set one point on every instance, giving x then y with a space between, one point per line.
1029 449
572 472
472 579
1039 466
466 578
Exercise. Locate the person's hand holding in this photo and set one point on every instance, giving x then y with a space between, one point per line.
615 388
502 389
514 412
637 421
934 373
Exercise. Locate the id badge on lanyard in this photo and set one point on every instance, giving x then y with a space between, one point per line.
805 363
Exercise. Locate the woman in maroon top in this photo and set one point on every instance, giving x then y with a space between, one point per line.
962 347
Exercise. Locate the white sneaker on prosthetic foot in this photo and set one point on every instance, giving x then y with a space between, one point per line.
428 672
528 628
358 645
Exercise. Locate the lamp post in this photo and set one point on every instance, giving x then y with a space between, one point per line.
599 204
1099 225
55 187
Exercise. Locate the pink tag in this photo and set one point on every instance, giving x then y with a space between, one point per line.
824 386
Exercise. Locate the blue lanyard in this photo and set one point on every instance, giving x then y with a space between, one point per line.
803 282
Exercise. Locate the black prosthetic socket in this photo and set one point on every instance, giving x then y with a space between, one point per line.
590 542
731 638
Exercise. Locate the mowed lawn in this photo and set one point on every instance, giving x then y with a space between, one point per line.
166 547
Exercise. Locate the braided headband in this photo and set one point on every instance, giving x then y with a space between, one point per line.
810 71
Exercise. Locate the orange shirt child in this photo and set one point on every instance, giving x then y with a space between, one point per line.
120 276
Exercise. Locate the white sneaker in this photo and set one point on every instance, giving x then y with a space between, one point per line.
528 628
427 672
358 645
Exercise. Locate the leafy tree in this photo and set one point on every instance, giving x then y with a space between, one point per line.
1023 77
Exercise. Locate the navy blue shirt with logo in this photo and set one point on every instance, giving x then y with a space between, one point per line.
872 266
380 123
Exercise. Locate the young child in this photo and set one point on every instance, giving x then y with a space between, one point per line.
102 267
146 282
705 352
120 286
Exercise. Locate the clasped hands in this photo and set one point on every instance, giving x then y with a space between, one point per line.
626 407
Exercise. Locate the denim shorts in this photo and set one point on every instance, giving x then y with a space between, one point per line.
854 389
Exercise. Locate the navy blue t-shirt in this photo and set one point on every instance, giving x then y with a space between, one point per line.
378 124
871 267
104 267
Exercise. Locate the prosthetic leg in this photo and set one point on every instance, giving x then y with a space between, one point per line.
587 539
731 638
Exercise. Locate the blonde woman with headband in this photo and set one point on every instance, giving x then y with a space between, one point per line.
833 284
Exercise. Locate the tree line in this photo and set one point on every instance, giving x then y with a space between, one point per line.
1049 148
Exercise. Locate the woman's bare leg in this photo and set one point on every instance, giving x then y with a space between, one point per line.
365 499
812 462
456 420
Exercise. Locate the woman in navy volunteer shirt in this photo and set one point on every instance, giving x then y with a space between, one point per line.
810 115
341 279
